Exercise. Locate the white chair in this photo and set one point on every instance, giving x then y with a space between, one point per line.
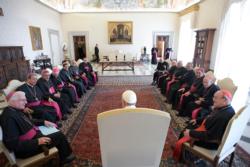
229 141
228 84
79 61
3 102
12 86
31 161
132 137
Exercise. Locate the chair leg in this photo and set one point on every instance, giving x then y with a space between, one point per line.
231 160
57 160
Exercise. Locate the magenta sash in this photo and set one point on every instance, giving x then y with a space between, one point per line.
29 135
86 68
193 88
74 88
94 76
54 105
52 90
85 79
32 104
60 86
46 103
183 85
195 112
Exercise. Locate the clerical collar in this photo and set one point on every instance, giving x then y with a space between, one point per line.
130 106
15 109
29 84
223 108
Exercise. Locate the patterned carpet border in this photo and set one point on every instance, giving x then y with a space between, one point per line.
77 122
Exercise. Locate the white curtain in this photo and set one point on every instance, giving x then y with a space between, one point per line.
186 39
233 53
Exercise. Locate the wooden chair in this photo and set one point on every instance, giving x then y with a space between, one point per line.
228 84
132 137
229 141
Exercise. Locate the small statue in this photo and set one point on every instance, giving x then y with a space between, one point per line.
65 51
145 50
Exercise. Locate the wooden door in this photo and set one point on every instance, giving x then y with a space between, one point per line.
79 47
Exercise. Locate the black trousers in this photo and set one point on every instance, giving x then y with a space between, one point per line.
63 103
71 93
80 88
204 144
44 112
58 140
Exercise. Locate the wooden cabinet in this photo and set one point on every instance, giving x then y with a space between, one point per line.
203 48
12 65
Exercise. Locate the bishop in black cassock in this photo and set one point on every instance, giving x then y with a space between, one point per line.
49 91
35 97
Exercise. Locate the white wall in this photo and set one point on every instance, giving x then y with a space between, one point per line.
96 26
209 16
18 16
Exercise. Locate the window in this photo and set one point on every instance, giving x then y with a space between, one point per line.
233 54
186 39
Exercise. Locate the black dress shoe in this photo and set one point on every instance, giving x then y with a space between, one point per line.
74 106
69 159
69 112
181 115
88 88
59 124
64 117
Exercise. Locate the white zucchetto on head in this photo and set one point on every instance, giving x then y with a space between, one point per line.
129 97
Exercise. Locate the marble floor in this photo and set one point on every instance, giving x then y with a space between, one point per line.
141 68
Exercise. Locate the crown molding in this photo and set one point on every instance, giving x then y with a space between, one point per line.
190 9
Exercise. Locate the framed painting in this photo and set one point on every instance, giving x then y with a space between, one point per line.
120 32
36 38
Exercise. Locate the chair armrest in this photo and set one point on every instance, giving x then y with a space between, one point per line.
192 140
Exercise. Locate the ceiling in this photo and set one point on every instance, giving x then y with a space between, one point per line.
68 6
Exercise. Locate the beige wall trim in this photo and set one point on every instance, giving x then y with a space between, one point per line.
189 10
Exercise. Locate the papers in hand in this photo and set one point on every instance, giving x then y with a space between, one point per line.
47 130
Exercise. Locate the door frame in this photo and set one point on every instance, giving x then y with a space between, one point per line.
71 42
54 32
164 33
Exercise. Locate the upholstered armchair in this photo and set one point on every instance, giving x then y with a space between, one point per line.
132 137
228 84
